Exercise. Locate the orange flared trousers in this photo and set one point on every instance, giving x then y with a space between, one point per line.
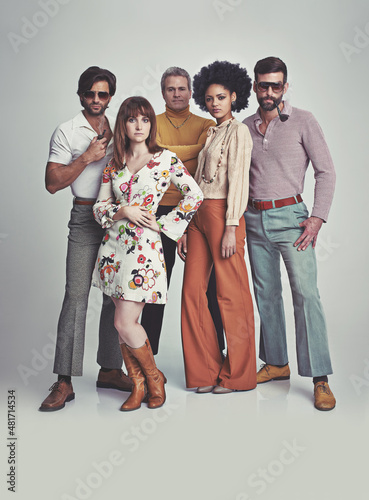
203 362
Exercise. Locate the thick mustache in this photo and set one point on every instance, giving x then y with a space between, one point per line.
267 98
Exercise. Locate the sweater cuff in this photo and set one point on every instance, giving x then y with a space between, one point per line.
319 215
232 222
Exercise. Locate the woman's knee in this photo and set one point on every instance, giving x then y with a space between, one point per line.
126 317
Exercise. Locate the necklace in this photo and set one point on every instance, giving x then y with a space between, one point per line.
181 125
220 157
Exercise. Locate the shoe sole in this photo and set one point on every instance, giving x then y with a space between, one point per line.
276 378
56 408
105 385
325 409
129 409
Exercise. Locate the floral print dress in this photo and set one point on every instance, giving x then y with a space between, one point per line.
130 263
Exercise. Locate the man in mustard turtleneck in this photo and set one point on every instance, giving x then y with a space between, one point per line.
183 133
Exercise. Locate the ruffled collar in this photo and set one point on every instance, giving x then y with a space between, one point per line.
224 124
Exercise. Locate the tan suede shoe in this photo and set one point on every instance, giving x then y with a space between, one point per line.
323 397
61 392
114 379
271 372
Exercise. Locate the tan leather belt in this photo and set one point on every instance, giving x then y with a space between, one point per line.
84 201
266 205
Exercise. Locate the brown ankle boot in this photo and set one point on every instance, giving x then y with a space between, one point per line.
135 373
154 378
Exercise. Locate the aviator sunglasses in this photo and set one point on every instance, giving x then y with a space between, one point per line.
276 86
90 94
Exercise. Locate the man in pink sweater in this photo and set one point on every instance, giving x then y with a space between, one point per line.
285 141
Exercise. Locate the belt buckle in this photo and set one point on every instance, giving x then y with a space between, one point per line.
253 203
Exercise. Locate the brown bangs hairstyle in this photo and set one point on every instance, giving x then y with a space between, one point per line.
133 106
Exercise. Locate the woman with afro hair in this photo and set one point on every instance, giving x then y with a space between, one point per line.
216 237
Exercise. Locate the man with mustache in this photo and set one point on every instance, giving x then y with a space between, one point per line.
285 140
79 151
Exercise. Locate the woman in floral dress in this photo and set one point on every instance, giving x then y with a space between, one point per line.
130 266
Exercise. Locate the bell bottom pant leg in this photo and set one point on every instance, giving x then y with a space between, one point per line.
280 228
84 239
313 357
239 368
266 276
200 348
202 363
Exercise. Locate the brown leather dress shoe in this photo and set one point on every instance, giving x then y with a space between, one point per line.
114 379
61 392
323 397
271 372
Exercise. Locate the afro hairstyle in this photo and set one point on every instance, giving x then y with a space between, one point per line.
231 76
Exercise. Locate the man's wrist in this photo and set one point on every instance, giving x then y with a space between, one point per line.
318 217
85 159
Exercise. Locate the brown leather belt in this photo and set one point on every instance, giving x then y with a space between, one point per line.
84 201
266 205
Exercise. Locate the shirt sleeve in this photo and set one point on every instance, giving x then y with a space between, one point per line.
60 150
175 222
324 172
105 206
238 161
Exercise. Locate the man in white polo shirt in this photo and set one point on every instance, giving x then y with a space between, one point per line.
79 151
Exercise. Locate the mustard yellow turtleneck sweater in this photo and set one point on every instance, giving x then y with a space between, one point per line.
186 142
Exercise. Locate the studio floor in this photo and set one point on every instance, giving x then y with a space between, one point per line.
269 443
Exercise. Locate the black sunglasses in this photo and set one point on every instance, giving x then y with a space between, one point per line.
90 94
275 86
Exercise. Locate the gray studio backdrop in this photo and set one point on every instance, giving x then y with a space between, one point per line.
46 44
